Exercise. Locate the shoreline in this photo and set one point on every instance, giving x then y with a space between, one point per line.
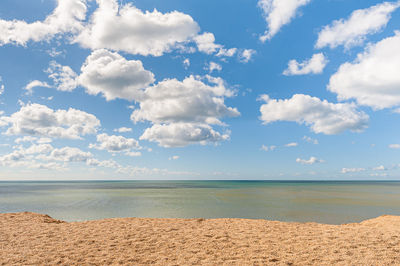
31 238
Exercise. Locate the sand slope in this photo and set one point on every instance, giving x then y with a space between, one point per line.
30 238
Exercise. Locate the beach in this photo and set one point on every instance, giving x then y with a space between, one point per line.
31 238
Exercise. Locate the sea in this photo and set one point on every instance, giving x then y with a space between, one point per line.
331 202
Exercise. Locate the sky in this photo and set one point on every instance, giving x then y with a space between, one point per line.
151 89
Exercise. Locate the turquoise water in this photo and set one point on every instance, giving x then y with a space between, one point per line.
326 202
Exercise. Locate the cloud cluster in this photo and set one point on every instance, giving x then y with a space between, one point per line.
352 170
373 78
353 31
279 13
40 120
315 65
182 112
321 116
66 18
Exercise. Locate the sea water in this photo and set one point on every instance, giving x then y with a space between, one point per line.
300 201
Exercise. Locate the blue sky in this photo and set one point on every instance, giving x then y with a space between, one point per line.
107 89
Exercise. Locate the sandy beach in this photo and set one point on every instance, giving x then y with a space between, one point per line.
30 238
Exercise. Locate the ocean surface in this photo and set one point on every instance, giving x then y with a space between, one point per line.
303 201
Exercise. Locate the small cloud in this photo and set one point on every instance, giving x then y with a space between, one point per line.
352 170
268 148
394 146
314 65
379 168
175 157
214 66
133 153
246 55
310 161
310 140
186 63
123 129
292 144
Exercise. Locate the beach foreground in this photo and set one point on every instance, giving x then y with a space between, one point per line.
30 238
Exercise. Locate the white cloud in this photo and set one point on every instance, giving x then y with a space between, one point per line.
182 111
315 65
373 78
25 139
66 18
353 31
67 154
1 86
186 63
394 146
227 52
312 160
310 140
175 157
292 144
321 116
64 78
246 55
133 153
214 66
379 168
206 43
40 120
113 76
182 134
115 143
279 13
268 148
352 170
126 28
190 100
34 84
123 130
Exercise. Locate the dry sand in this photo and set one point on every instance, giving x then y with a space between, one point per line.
30 238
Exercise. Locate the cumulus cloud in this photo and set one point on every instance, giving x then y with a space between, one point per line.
67 154
34 84
353 30
113 76
373 78
206 43
182 134
182 112
278 13
190 100
315 65
312 160
40 120
67 17
321 116
123 130
352 170
115 143
127 28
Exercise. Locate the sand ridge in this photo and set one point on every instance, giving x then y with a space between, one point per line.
30 238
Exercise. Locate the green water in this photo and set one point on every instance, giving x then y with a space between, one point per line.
326 202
